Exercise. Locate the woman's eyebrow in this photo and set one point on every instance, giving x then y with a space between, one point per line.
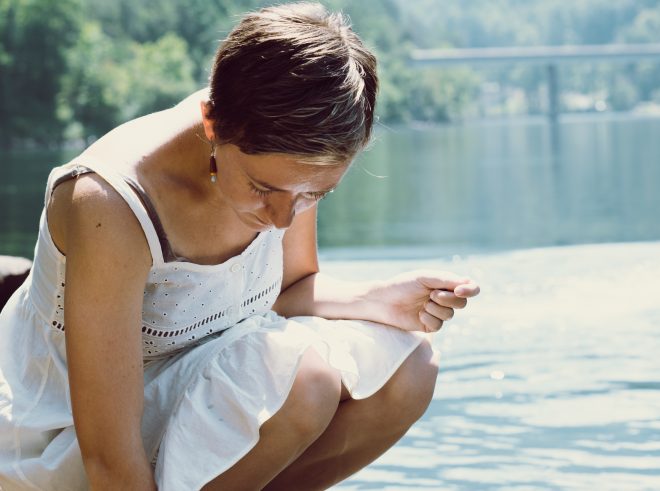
270 187
265 184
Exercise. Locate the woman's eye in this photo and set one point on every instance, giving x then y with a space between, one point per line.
259 191
315 196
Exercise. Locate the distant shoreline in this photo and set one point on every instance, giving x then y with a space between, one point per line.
520 119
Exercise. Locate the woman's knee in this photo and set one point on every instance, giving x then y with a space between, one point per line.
410 391
314 397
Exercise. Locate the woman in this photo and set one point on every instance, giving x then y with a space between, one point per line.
184 240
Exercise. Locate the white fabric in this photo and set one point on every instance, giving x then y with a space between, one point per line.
218 361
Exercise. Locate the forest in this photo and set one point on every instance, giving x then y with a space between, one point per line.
70 70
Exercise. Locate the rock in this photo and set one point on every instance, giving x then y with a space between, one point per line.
13 271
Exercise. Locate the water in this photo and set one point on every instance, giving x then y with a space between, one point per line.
451 189
498 186
550 379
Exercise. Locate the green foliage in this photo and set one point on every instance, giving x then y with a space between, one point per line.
160 75
200 23
111 82
34 40
76 68
406 94
86 98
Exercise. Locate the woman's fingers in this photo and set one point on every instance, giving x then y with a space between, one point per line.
431 323
467 290
438 311
441 280
448 299
441 304
434 315
449 293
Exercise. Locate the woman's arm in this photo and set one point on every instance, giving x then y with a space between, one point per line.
106 268
304 290
414 301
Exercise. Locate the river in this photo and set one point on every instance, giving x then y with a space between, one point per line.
549 380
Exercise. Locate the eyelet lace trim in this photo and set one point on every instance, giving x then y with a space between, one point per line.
262 294
152 331
160 333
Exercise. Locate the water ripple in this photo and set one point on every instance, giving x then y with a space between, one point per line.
552 386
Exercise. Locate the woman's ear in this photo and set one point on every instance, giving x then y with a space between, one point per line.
205 107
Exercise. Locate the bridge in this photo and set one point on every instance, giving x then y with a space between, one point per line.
551 56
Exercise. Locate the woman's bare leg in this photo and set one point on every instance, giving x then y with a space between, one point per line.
364 429
308 410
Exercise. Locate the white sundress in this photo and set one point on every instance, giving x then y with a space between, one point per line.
218 362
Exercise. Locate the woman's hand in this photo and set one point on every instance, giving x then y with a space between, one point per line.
420 300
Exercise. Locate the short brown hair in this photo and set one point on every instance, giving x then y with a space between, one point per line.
294 79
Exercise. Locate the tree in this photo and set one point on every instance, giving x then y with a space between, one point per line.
112 82
34 39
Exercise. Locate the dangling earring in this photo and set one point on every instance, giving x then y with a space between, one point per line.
213 166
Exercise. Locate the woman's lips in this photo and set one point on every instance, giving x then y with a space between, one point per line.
262 222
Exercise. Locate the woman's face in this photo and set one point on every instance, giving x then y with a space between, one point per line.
268 190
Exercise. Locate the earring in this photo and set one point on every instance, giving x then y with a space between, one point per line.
213 166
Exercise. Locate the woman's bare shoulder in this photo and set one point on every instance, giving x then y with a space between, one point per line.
87 208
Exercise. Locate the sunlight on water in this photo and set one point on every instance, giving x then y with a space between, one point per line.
548 381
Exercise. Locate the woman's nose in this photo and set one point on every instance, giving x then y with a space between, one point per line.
282 210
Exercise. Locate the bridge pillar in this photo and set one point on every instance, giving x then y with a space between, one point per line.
553 93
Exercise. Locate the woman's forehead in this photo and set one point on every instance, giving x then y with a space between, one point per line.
282 171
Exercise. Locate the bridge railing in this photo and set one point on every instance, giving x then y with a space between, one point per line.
551 56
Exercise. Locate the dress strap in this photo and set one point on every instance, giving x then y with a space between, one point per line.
165 246
121 184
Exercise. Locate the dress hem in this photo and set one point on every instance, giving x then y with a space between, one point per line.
200 479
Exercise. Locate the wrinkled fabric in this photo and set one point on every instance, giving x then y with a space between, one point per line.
215 375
